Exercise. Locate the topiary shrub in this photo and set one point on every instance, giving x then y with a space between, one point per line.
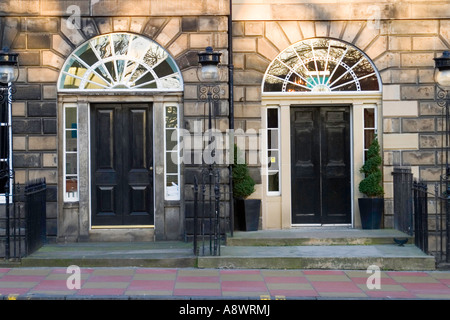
243 184
371 185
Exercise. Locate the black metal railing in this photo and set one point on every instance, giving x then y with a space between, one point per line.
420 191
403 202
23 220
425 211
35 212
209 230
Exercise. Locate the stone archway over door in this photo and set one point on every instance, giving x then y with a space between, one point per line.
117 91
321 87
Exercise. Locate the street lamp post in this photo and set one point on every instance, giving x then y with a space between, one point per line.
442 78
209 91
8 65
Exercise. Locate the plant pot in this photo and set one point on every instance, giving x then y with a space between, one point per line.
246 214
371 211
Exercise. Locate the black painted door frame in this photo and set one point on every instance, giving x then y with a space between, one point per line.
122 165
321 190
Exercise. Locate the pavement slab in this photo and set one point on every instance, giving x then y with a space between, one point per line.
220 284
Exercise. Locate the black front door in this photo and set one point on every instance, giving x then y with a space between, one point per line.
121 165
320 165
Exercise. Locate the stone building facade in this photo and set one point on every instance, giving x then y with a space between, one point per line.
395 40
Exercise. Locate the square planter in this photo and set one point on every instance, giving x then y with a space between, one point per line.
371 211
246 214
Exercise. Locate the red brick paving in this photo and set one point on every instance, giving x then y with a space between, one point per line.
223 284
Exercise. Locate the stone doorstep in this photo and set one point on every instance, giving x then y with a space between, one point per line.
354 257
316 237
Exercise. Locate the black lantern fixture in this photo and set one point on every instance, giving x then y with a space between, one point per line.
209 61
442 78
9 63
442 71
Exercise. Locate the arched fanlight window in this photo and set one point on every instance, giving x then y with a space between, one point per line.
320 65
120 62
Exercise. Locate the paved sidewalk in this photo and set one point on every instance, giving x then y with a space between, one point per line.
220 284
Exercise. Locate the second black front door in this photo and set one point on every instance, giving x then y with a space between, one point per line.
320 165
121 165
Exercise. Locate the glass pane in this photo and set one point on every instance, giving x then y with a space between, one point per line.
121 42
88 56
171 82
274 181
139 46
146 78
120 67
272 118
272 139
95 78
171 167
93 86
369 135
369 118
75 67
273 160
71 163
278 69
370 83
102 46
154 55
163 69
71 118
111 66
70 82
131 65
171 117
71 185
172 186
71 140
102 71
171 139
273 84
149 85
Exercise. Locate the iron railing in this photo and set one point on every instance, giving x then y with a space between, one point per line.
403 181
209 222
424 211
420 191
23 229
35 212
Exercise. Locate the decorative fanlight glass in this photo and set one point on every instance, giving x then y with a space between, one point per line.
120 62
321 65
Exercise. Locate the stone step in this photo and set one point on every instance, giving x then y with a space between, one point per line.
320 236
354 257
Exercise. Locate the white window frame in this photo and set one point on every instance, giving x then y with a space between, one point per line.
76 197
375 128
268 171
172 196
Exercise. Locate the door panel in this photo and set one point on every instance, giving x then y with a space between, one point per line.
306 166
138 161
335 159
121 160
320 165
